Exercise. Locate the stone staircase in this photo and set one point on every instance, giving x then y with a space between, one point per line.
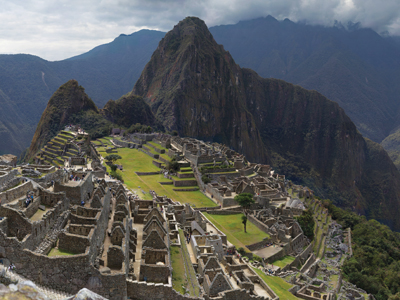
53 233
50 293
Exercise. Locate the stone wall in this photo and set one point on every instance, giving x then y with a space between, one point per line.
215 176
298 242
185 175
308 263
304 255
145 136
158 150
13 182
224 212
57 176
4 225
259 245
146 173
55 272
139 290
220 199
276 256
125 144
157 164
184 182
73 243
100 230
260 225
156 156
6 176
210 171
32 208
77 161
83 190
15 193
155 273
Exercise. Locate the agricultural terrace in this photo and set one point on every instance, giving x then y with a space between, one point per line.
134 160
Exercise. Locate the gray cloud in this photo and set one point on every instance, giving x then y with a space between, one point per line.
62 28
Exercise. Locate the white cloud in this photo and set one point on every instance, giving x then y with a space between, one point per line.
62 28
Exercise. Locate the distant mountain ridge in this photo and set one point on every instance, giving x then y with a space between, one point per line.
359 69
194 86
27 82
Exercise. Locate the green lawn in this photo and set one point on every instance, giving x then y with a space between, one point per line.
284 261
58 252
278 285
179 281
134 160
232 226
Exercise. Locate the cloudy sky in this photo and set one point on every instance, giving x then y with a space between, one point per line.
59 29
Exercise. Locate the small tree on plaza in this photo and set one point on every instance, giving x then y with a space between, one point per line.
112 158
245 200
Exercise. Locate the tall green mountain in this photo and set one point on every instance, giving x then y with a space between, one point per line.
71 105
27 82
194 86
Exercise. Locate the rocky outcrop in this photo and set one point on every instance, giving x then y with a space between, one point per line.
68 100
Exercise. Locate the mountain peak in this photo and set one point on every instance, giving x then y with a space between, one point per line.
187 32
69 99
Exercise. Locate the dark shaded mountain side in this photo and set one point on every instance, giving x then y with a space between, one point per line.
12 128
27 82
359 69
194 86
129 110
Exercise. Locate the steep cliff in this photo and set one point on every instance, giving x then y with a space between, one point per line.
194 86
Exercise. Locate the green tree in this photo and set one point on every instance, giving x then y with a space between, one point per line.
112 158
244 221
307 223
245 200
205 179
174 133
173 165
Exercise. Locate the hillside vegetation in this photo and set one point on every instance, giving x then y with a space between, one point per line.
375 263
